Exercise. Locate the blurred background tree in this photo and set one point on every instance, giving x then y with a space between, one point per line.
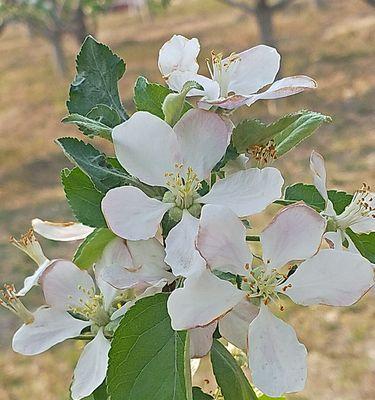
52 19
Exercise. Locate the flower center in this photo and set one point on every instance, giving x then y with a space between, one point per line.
10 301
263 154
262 284
362 206
183 186
91 307
221 71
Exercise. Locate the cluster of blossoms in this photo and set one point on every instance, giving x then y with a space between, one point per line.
217 281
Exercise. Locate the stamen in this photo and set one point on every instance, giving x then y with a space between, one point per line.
10 301
263 154
30 246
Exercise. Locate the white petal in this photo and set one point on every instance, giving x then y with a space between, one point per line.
295 233
203 137
50 327
332 277
364 225
246 192
65 286
318 169
283 88
257 68
177 80
203 299
33 280
276 358
131 214
231 102
181 252
115 255
203 375
61 231
201 340
146 147
91 368
334 239
234 326
179 54
239 164
222 240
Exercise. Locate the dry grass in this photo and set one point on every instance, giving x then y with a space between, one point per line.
335 47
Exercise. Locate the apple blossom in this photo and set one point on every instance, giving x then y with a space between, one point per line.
179 159
234 80
61 231
359 215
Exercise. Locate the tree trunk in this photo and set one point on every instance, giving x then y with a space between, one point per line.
80 30
58 53
264 17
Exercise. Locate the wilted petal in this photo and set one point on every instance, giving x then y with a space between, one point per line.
246 192
295 233
222 240
179 54
50 327
229 103
256 68
203 299
146 147
91 368
201 340
283 88
203 137
65 286
203 375
332 277
33 280
61 231
234 326
276 358
181 252
131 214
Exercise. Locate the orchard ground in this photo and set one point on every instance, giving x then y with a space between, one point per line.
334 46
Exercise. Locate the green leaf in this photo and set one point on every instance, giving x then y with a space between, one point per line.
92 248
232 381
265 397
99 394
89 126
83 198
307 193
339 200
98 70
105 115
287 131
295 128
365 243
104 172
150 97
147 358
199 395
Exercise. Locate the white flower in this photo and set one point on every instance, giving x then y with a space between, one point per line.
30 246
61 231
234 80
359 215
179 159
276 358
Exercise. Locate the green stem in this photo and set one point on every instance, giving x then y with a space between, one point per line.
88 337
188 380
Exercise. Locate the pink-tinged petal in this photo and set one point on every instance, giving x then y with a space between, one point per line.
203 299
61 231
222 240
203 137
131 214
91 368
50 327
177 80
181 252
115 255
276 358
234 326
178 54
334 239
146 147
65 286
229 103
283 88
203 375
294 234
201 340
246 192
256 68
33 280
332 277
